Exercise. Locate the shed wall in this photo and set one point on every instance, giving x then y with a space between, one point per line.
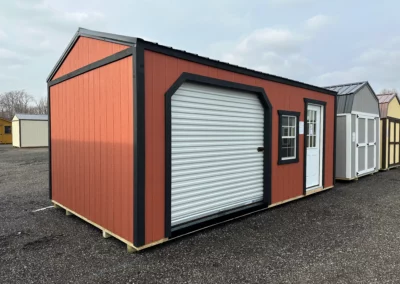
5 138
341 147
92 146
86 51
366 101
34 133
15 133
394 109
161 71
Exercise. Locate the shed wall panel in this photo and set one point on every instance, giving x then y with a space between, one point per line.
394 109
34 133
161 71
366 101
86 51
341 141
92 146
15 133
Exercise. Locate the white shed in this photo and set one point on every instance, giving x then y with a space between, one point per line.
30 130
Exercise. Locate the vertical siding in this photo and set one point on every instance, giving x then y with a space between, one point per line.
161 72
92 146
34 133
86 51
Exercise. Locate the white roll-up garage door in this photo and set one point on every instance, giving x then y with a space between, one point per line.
215 164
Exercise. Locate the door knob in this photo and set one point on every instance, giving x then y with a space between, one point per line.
260 149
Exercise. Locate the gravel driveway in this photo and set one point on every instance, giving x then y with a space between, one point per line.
350 234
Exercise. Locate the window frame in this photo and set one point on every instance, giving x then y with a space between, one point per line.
281 160
9 127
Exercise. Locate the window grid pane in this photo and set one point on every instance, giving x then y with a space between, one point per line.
288 150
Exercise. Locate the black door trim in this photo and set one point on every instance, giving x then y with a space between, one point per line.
323 105
396 153
210 220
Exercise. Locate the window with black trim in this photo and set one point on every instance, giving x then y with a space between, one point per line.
288 137
7 129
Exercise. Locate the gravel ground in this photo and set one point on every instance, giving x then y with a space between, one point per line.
350 234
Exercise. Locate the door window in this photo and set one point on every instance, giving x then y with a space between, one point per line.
311 129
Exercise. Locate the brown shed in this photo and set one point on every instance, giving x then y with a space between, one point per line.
149 142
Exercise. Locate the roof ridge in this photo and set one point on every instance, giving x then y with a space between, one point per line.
347 84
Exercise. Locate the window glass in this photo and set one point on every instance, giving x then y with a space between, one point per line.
288 145
7 129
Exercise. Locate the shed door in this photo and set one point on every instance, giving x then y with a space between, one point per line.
216 159
314 147
394 142
365 144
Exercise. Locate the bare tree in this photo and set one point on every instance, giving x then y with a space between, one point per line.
15 102
389 91
41 106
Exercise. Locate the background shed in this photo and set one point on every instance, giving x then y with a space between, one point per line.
357 139
30 130
5 131
389 105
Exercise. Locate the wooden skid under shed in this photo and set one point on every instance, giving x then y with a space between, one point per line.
131 248
106 233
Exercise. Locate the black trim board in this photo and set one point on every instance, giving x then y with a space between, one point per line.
124 40
191 226
384 140
49 141
139 147
323 105
334 142
110 59
297 115
396 153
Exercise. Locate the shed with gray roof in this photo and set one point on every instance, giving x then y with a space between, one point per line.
357 139
30 130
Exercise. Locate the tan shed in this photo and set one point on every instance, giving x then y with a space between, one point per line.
389 105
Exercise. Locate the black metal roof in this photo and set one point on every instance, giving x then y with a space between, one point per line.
131 41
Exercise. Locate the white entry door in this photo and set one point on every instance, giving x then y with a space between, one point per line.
314 147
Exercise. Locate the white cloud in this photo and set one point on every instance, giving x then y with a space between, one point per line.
380 66
317 22
272 50
3 35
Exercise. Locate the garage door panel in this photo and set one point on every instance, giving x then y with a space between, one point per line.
215 188
204 168
176 122
194 175
191 159
209 93
188 214
243 180
196 164
193 106
215 164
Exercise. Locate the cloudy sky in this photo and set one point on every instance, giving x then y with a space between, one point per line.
321 42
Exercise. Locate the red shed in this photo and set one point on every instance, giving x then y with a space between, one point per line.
148 142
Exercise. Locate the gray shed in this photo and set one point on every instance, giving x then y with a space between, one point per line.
357 138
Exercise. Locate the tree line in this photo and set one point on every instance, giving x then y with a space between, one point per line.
20 101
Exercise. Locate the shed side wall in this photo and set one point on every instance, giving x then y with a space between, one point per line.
34 133
394 109
86 51
92 146
161 71
341 146
15 133
366 101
